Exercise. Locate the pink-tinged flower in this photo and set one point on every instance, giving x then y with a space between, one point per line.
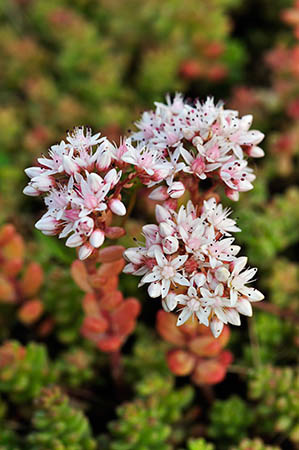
78 185
237 176
221 251
201 140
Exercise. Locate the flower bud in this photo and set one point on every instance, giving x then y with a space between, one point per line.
117 207
31 191
97 238
176 190
255 152
95 182
154 290
170 245
48 224
232 194
159 194
170 302
197 140
32 172
75 240
85 251
216 326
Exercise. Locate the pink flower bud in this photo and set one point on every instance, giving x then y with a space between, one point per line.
170 245
176 190
159 194
255 152
97 238
48 224
117 207
114 232
43 182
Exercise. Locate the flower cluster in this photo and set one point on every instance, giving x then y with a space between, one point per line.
81 188
200 140
190 260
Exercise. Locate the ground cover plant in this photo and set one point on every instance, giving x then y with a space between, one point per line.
149 194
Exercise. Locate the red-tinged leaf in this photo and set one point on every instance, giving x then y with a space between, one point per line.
226 358
104 284
14 249
208 372
90 305
114 232
204 346
30 311
109 343
7 291
32 280
166 327
190 328
46 327
111 253
114 268
123 318
111 300
94 325
12 267
6 234
80 275
180 362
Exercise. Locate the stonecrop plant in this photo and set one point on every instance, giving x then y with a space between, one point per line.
189 257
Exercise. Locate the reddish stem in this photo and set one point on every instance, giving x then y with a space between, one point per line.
277 311
116 367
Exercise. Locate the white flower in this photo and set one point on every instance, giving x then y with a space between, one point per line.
166 272
192 306
238 279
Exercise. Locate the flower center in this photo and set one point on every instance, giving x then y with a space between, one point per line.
168 272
